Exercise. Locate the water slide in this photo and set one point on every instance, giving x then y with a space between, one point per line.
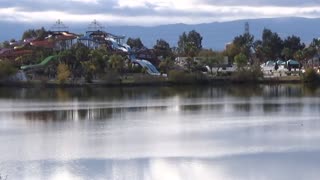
144 63
148 65
115 45
40 65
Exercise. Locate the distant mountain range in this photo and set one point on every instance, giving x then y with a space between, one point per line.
215 35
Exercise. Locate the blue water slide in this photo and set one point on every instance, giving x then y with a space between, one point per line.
115 45
150 67
125 48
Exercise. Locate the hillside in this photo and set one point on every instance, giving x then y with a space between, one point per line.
215 35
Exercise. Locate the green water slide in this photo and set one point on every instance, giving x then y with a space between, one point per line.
40 65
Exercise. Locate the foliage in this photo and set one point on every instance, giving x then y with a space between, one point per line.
35 33
89 70
162 48
211 59
100 58
181 77
231 51
271 44
63 73
241 61
287 53
117 63
5 44
190 64
309 52
244 43
293 43
135 43
315 44
6 69
80 51
66 56
311 76
190 44
251 74
166 65
299 55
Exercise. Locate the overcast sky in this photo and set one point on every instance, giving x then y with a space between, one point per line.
153 12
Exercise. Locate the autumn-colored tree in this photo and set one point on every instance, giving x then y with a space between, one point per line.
63 73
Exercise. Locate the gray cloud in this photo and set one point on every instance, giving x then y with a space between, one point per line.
286 3
155 13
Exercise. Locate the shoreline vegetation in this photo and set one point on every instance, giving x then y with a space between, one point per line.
97 58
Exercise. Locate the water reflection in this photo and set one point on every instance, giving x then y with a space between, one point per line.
161 133
271 166
100 94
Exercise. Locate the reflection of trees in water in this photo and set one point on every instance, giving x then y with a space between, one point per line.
66 115
114 93
208 107
294 107
271 107
246 107
140 93
245 90
84 114
311 90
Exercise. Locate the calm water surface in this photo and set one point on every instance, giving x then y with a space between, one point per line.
187 133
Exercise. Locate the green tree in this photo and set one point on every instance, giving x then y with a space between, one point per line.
166 65
294 44
231 51
315 44
259 52
89 70
191 50
195 39
241 61
100 58
299 56
309 53
135 43
183 40
311 76
6 69
162 48
5 44
66 57
35 33
287 53
190 64
272 44
211 59
117 63
190 43
244 43
80 51
63 73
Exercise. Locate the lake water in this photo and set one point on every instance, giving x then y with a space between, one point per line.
151 133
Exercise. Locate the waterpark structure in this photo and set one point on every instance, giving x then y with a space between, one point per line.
59 38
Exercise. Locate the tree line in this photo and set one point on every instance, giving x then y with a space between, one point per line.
80 61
